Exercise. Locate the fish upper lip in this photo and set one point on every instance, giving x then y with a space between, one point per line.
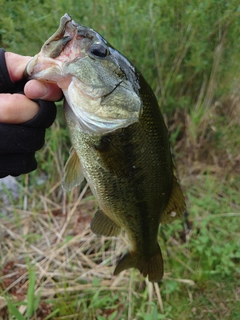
59 34
64 41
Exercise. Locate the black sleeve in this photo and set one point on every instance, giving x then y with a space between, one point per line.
18 143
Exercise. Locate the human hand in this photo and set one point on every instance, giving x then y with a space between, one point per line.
22 120
18 108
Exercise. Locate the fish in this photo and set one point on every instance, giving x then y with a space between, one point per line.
120 142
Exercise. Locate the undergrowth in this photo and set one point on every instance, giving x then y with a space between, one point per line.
189 53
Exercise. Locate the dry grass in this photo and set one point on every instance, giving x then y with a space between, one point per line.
68 256
51 230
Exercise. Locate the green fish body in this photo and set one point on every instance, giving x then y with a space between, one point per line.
120 141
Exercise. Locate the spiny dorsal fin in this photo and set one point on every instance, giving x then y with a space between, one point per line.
73 175
104 226
176 204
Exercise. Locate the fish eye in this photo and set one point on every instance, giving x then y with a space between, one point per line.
98 50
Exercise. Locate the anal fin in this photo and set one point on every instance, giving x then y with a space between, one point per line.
176 205
102 225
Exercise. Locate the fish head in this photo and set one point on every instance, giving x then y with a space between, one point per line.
100 85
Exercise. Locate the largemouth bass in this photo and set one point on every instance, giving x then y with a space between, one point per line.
120 141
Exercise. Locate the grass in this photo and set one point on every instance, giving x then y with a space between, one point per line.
51 265
73 272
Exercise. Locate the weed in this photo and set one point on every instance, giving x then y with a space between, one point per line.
189 53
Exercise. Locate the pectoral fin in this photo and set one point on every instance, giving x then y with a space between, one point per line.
176 204
104 226
73 175
151 266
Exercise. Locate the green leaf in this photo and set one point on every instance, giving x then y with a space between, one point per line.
14 310
30 292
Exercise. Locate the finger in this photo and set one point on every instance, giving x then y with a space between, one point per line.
16 65
16 108
35 89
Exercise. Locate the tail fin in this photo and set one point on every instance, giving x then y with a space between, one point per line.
151 266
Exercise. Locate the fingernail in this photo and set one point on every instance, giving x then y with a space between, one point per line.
35 89
43 90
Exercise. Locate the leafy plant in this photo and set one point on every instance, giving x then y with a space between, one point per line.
32 300
189 53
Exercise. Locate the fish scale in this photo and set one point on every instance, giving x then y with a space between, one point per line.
120 141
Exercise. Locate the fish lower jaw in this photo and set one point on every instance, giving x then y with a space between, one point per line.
46 69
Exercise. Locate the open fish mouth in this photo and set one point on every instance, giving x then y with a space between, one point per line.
58 48
97 82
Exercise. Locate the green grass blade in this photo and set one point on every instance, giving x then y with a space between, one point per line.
30 292
14 310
